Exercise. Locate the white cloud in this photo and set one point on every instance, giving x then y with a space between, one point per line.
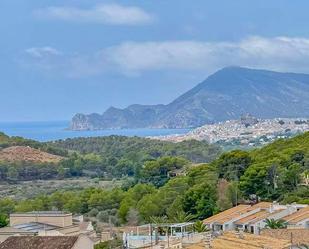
40 52
279 53
112 14
131 58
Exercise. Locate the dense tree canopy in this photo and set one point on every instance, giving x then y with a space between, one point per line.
275 172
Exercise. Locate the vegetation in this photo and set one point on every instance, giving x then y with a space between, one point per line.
116 243
200 227
7 141
275 172
275 224
3 220
154 193
107 157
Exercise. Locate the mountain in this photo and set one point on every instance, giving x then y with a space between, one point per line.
225 95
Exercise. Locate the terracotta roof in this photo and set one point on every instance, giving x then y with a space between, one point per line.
234 212
256 216
261 215
297 236
262 204
39 242
249 241
227 214
298 216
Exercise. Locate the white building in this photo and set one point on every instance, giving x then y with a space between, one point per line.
253 218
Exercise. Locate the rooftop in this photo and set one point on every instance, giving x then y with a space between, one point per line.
298 236
235 212
229 213
302 214
230 240
39 242
261 215
42 213
35 227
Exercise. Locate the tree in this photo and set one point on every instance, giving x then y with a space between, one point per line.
200 200
200 227
275 224
3 220
157 172
253 181
7 206
225 197
232 165
133 217
292 176
159 221
180 217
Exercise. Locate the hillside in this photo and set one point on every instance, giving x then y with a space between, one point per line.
106 157
225 95
137 149
27 154
272 173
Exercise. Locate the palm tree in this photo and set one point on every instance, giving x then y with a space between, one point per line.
181 216
159 221
275 224
200 227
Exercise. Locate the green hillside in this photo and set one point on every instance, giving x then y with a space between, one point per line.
274 172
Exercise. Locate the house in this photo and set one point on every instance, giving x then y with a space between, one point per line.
47 242
299 219
46 224
254 223
249 218
224 220
232 240
6 232
54 218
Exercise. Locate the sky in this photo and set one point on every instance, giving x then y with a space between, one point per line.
61 57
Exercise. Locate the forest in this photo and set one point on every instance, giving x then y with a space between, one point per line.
169 187
104 157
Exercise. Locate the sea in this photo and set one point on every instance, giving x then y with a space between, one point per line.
55 130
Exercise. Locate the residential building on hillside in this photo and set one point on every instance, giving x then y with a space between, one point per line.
47 224
250 218
299 219
47 242
54 218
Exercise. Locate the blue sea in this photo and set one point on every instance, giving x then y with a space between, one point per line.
48 131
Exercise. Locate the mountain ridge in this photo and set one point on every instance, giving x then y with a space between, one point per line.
224 95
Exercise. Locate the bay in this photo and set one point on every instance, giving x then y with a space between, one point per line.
54 130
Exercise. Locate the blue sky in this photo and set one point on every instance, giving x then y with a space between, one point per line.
61 57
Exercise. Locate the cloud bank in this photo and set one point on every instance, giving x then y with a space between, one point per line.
133 58
112 14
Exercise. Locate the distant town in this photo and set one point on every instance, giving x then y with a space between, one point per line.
247 131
